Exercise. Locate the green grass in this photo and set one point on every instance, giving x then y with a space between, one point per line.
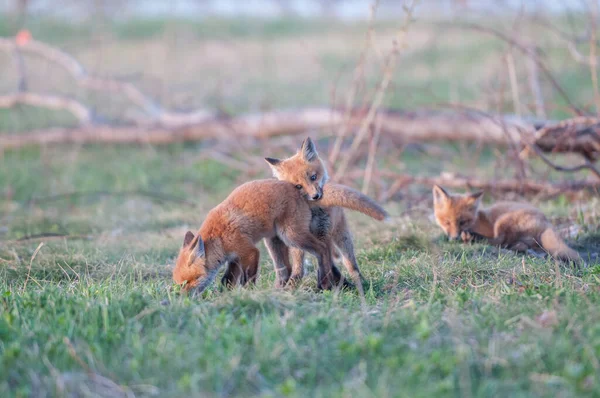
97 310
93 308
437 322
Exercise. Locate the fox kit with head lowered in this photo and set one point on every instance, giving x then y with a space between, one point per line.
263 209
307 172
516 226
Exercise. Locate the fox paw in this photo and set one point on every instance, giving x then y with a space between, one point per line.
294 281
466 237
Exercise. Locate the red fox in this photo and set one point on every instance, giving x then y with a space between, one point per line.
308 173
269 209
516 226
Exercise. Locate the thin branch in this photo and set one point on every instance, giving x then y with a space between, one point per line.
561 34
381 90
535 85
527 51
586 165
372 156
21 71
47 101
64 60
358 74
523 186
577 56
514 85
50 235
593 61
71 195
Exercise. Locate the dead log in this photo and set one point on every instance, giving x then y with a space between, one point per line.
406 126
525 187
579 135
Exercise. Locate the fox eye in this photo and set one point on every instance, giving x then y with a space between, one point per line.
313 177
298 186
462 223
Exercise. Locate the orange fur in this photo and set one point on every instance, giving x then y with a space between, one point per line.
517 226
269 209
308 173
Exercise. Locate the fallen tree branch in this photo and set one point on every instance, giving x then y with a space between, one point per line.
578 135
408 127
521 186
55 102
155 114
158 196
587 165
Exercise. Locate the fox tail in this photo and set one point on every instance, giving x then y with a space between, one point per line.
557 247
340 195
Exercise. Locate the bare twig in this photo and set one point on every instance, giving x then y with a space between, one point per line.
71 195
593 61
372 156
527 51
381 90
587 165
155 114
21 71
40 236
514 85
577 56
535 85
358 74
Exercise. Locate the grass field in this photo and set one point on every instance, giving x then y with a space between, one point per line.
88 236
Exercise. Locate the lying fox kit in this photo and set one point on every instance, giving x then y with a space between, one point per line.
263 209
516 226
308 173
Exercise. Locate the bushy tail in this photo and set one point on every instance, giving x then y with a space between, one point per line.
343 196
557 247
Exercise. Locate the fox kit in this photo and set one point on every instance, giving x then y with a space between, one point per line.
307 172
516 226
269 209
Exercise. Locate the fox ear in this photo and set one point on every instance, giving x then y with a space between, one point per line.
200 247
475 198
275 166
308 150
273 161
439 195
189 236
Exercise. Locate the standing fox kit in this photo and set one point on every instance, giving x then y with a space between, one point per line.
269 209
308 174
516 226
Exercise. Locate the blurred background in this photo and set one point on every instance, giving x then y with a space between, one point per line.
123 122
105 102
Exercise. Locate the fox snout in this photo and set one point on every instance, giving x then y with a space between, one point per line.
318 194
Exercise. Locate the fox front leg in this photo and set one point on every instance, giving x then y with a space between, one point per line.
470 237
466 236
